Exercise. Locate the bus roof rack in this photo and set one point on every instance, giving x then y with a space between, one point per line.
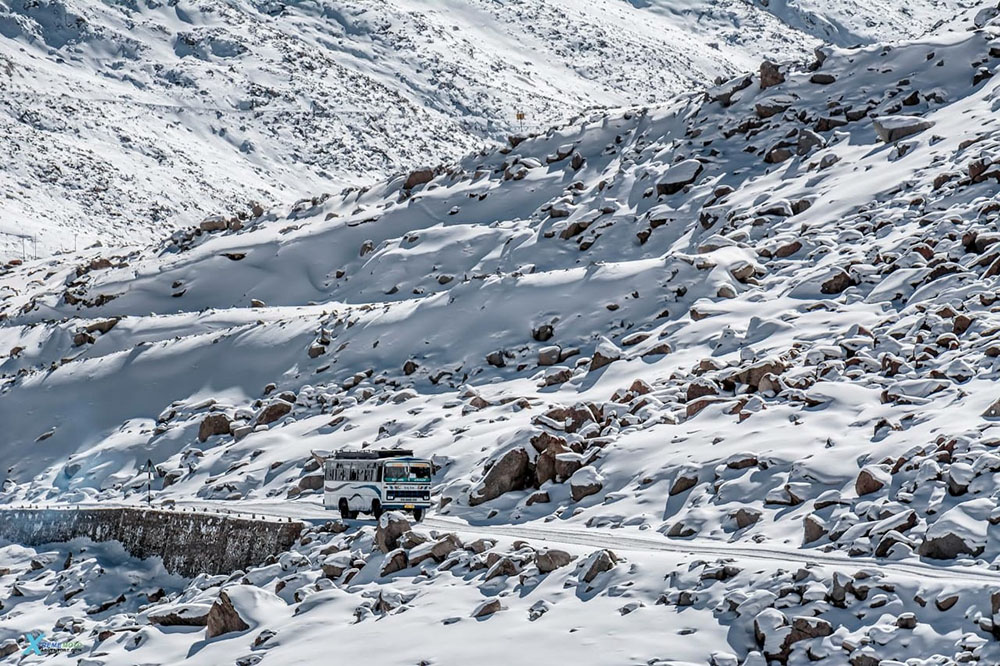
371 454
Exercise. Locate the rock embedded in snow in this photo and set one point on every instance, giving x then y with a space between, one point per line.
395 561
605 354
598 563
420 176
549 355
678 176
585 482
223 618
391 526
550 559
893 128
487 608
274 410
215 423
770 75
871 479
961 530
181 615
8 647
508 473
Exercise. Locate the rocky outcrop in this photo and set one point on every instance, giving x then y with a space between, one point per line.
510 472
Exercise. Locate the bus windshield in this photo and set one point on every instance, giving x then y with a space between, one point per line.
400 472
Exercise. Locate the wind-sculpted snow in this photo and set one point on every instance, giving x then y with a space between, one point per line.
124 121
760 315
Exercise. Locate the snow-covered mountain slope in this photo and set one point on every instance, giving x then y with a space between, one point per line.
761 316
122 121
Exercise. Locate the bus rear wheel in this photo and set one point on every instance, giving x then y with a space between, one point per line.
418 515
376 509
345 511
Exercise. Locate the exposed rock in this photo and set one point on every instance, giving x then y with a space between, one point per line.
311 482
550 559
186 615
539 497
391 526
543 333
837 283
872 479
894 128
598 563
508 473
487 608
585 482
215 423
395 560
223 618
549 355
745 517
417 177
684 481
770 75
678 176
273 411
605 354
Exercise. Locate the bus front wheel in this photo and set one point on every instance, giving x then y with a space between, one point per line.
418 515
376 509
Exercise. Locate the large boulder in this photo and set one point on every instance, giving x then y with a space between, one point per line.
274 410
508 473
223 618
585 482
605 354
770 75
678 176
419 176
872 479
550 559
391 526
181 615
213 424
598 563
961 530
894 128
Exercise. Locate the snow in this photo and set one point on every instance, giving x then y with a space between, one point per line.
728 358
124 122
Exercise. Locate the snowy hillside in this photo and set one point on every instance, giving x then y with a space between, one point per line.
123 121
710 382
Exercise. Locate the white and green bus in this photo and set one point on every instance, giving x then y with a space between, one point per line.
375 481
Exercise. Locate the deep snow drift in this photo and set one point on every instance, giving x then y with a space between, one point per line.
745 341
122 121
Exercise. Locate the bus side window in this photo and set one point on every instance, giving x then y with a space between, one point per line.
379 473
354 473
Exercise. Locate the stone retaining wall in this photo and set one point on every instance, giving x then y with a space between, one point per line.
189 543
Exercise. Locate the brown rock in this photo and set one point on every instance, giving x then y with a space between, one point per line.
223 618
770 75
274 410
417 177
216 423
601 561
837 283
549 560
508 473
391 526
